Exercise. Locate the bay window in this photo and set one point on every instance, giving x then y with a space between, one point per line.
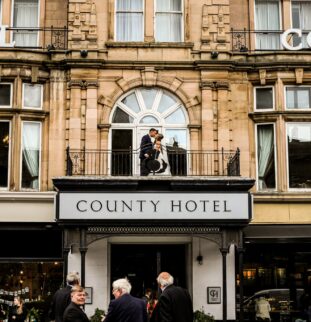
299 155
266 157
4 153
31 146
26 15
129 20
267 24
168 23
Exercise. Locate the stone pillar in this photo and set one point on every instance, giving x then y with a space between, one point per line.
223 116
83 250
224 252
241 252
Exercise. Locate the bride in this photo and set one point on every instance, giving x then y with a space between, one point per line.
157 161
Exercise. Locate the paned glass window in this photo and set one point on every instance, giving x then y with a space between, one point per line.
5 95
299 155
298 97
4 153
25 15
168 23
129 20
301 13
264 98
31 147
267 24
32 96
266 157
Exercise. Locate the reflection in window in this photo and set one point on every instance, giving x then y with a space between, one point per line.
131 102
129 20
121 117
298 97
149 97
264 98
32 96
165 102
265 157
149 120
176 138
176 117
5 95
30 155
299 155
301 11
4 153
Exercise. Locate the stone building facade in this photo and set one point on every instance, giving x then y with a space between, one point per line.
86 78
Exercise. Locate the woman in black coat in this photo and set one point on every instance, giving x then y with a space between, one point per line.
18 312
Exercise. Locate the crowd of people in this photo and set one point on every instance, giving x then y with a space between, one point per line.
174 303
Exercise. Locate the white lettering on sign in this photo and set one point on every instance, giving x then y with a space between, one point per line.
293 31
105 205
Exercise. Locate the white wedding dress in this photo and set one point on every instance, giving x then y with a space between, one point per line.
165 168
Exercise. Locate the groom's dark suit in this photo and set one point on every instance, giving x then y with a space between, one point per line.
127 308
74 313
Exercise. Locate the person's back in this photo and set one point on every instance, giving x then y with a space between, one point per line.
62 298
178 301
262 308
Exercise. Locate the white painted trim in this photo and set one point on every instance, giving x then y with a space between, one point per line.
296 86
255 98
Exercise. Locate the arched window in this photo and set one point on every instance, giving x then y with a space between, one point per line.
142 108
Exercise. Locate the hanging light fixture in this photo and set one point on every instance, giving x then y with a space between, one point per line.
200 257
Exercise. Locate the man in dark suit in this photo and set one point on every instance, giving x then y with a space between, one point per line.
145 145
74 311
62 298
125 307
175 304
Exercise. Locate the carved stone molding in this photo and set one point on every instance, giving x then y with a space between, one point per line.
83 84
149 76
214 85
299 75
152 230
262 76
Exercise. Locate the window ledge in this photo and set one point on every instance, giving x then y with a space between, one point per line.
118 44
303 196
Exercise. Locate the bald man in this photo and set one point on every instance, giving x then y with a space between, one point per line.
175 304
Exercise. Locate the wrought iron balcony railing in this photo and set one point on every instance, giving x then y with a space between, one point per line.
34 38
265 40
127 163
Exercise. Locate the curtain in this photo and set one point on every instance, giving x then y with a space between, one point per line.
267 18
265 151
25 15
31 149
168 21
301 13
129 16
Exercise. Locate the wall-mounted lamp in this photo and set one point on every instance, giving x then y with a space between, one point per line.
83 53
214 54
200 259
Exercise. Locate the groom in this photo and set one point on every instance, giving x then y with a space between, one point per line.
145 145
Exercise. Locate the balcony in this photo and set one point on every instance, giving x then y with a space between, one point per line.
126 163
34 38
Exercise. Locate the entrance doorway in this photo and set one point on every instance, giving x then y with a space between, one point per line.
141 264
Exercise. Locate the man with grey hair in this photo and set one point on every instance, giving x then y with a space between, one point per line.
125 307
62 298
175 304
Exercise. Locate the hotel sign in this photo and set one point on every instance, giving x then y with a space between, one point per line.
154 206
293 31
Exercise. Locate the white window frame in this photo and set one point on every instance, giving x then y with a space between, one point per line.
255 99
21 156
287 158
12 20
9 156
11 95
182 21
275 157
285 98
41 97
115 23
